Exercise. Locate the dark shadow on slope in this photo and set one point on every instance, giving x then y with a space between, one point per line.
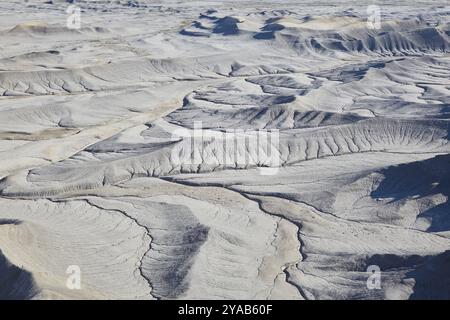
264 36
439 216
432 278
15 283
209 14
226 26
430 273
268 31
393 261
348 73
420 179
10 221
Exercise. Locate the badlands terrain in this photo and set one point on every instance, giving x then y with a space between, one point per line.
224 150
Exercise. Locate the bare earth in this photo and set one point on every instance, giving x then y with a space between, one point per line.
98 168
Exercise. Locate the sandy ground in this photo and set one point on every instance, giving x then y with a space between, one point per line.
224 150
